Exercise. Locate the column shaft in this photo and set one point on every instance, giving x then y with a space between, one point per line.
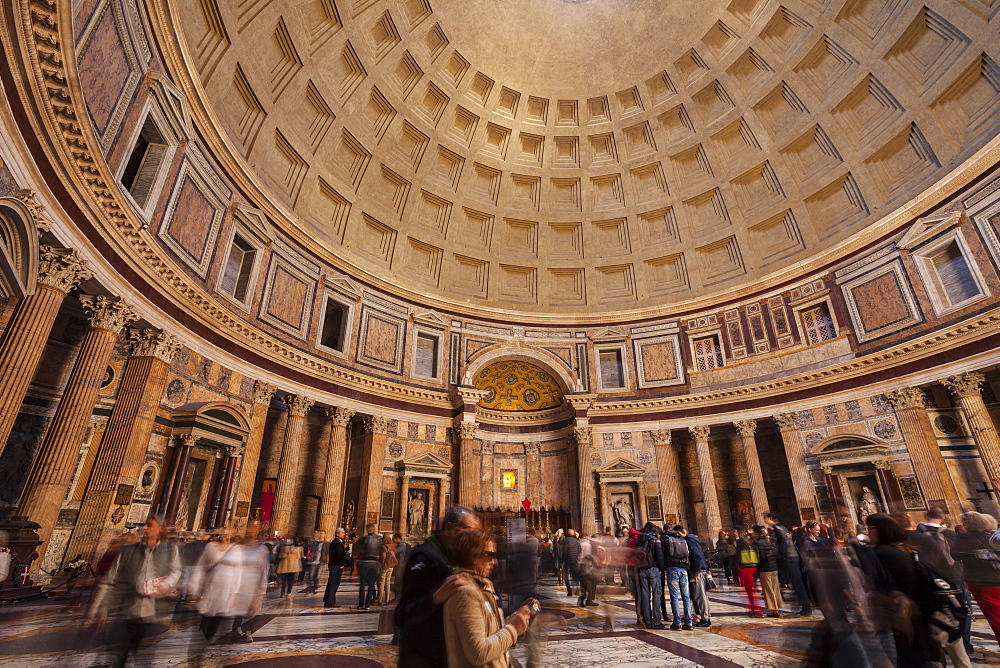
403 525
967 388
468 490
227 491
288 468
758 493
585 476
709 494
182 455
371 471
887 479
262 393
336 468
667 474
801 480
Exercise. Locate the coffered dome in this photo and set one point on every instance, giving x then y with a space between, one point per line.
561 157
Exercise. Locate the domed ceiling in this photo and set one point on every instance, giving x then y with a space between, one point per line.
560 156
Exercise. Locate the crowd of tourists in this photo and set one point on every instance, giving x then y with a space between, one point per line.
891 591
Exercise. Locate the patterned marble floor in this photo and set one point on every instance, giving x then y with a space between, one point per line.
297 631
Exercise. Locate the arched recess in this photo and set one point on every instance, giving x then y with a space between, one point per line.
554 366
860 478
18 250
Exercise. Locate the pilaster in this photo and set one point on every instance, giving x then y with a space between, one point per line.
336 467
802 485
373 461
288 468
667 473
262 394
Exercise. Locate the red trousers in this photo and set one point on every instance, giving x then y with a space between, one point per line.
988 600
746 577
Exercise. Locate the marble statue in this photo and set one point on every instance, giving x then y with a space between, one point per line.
416 510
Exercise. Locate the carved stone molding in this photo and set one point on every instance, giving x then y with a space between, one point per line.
188 440
262 392
339 416
375 424
467 429
298 405
487 447
828 470
532 448
746 427
108 313
60 268
583 435
154 343
966 384
581 402
661 436
700 432
907 397
38 216
787 421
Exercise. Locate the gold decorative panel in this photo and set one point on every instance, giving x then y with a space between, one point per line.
517 386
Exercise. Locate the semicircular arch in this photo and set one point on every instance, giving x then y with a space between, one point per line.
565 379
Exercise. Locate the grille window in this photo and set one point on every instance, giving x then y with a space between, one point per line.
707 353
818 324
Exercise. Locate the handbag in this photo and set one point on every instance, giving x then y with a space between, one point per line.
710 583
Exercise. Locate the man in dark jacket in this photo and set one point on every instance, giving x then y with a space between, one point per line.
650 583
570 556
368 553
697 569
767 570
338 560
789 561
676 562
427 583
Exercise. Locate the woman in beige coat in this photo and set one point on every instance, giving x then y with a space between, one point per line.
474 628
288 566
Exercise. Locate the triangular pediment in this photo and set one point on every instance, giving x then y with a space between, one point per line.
621 465
431 319
344 286
426 460
928 228
609 333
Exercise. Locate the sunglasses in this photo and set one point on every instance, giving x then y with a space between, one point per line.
491 555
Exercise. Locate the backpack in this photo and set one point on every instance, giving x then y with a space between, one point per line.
644 552
371 548
942 604
677 548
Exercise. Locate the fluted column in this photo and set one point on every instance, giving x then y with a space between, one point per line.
371 470
966 388
403 524
52 469
667 473
288 468
928 462
444 484
27 332
758 493
583 436
887 479
126 438
468 491
710 495
802 485
533 469
336 468
226 491
182 457
262 393
486 476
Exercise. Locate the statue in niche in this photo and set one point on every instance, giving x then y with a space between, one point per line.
623 513
184 507
416 510
867 503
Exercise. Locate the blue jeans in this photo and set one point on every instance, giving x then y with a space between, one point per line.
367 574
677 580
650 590
572 577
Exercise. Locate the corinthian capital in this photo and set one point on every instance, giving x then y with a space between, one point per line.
700 432
298 405
154 343
660 436
38 216
108 313
467 430
376 424
583 435
339 416
746 427
966 384
787 421
908 397
262 392
60 268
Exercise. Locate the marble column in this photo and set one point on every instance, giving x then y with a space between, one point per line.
487 477
288 468
802 485
607 517
468 491
928 462
23 342
403 521
226 492
122 450
444 484
371 470
833 484
262 393
709 493
533 469
887 479
667 473
966 388
758 493
182 457
336 468
583 437
52 468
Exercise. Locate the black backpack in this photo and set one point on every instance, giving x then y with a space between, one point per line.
676 547
942 604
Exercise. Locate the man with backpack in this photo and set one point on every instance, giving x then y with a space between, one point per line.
647 558
677 561
367 552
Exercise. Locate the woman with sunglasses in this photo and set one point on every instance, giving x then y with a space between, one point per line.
475 631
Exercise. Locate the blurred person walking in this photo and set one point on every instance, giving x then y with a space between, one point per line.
338 560
288 565
725 550
387 563
428 582
981 562
747 558
570 558
133 594
367 554
767 571
475 631
402 550
789 563
317 555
